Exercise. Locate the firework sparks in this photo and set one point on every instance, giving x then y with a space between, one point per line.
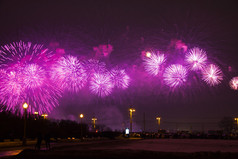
212 75
25 78
120 79
94 66
101 84
234 83
153 62
11 89
196 58
69 73
33 76
175 75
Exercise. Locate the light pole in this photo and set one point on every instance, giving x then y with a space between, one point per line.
36 115
81 117
44 116
131 110
236 122
94 122
25 106
158 118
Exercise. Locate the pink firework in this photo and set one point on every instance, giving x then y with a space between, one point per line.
94 66
69 73
212 75
11 89
153 62
101 84
119 78
234 83
33 76
17 54
25 78
175 75
196 58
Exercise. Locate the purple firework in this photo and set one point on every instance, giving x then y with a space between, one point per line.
119 78
25 79
175 75
234 83
153 62
69 73
196 58
39 92
17 54
101 84
11 89
33 76
212 75
94 66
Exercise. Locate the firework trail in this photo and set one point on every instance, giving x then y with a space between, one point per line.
175 75
119 78
212 75
234 83
196 59
69 74
101 84
152 63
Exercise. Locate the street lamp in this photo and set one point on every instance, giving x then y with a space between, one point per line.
131 110
81 117
158 118
94 122
36 115
25 106
236 122
44 116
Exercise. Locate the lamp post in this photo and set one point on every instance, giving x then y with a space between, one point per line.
94 122
81 117
44 116
236 122
36 115
158 118
131 110
25 106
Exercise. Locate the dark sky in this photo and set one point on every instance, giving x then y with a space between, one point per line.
80 25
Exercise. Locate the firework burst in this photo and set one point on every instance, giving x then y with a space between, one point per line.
33 76
69 73
25 78
196 59
18 54
175 75
153 62
212 75
94 66
11 89
234 83
101 84
119 78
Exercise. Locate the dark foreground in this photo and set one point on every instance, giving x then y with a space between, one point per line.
127 149
124 154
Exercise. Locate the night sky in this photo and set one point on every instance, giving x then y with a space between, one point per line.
131 27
